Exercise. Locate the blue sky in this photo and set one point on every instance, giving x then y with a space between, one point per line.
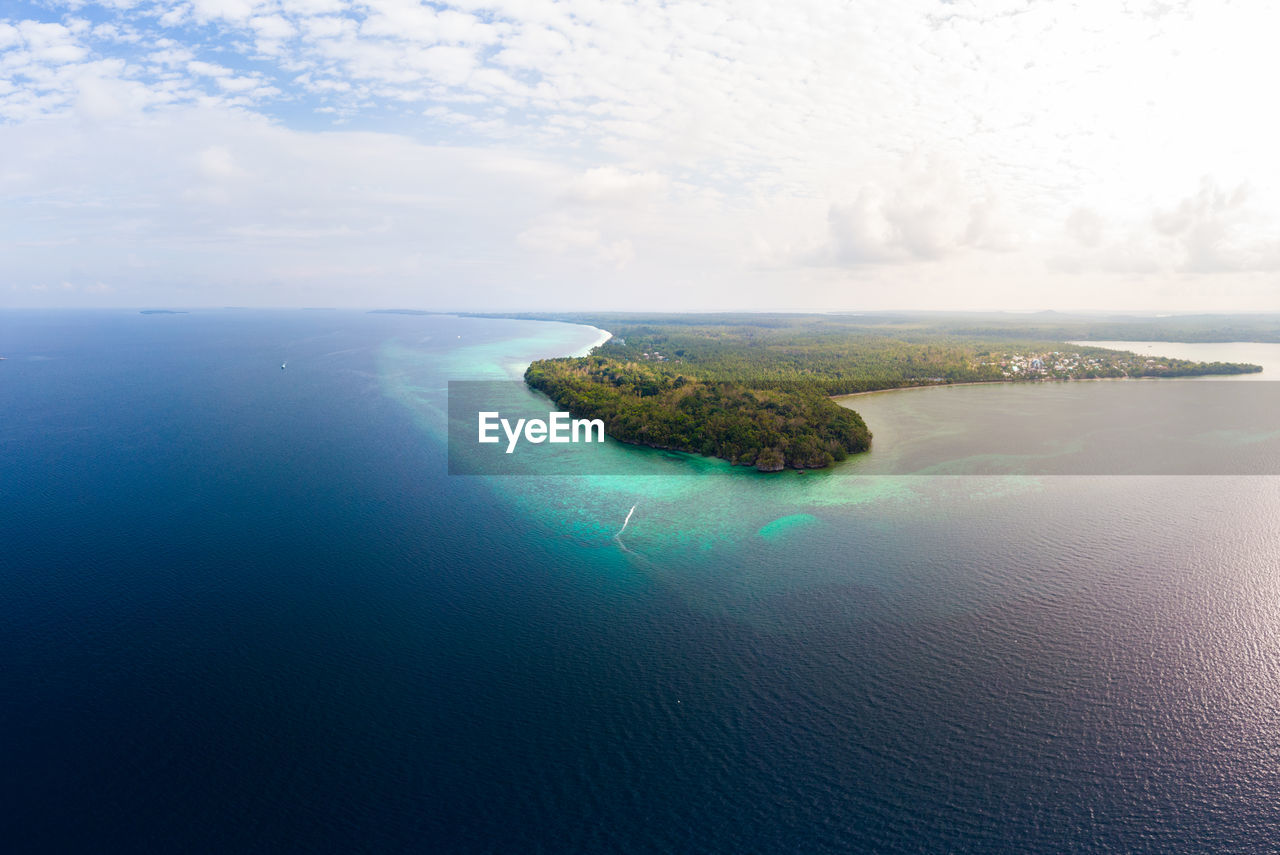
528 154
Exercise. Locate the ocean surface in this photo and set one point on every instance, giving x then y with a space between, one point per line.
247 609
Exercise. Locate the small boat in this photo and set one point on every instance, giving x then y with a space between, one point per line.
282 365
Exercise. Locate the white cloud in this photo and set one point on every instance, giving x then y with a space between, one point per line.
561 233
891 145
1214 230
304 8
245 203
216 162
273 27
208 69
102 96
51 43
9 36
1085 226
922 211
231 11
610 185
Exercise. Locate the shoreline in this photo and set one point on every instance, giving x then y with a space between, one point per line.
604 336
925 386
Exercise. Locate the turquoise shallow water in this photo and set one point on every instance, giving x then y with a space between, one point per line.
249 610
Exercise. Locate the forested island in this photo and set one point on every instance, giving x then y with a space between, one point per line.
756 389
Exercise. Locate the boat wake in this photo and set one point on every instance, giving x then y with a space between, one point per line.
624 522
618 536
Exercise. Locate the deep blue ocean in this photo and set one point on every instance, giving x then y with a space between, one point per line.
246 609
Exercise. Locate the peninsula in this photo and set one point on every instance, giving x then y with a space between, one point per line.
756 389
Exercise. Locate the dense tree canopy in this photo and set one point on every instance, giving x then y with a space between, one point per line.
658 406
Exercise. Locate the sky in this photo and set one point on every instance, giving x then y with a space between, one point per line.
529 155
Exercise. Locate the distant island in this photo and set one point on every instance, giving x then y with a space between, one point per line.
756 390
162 312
